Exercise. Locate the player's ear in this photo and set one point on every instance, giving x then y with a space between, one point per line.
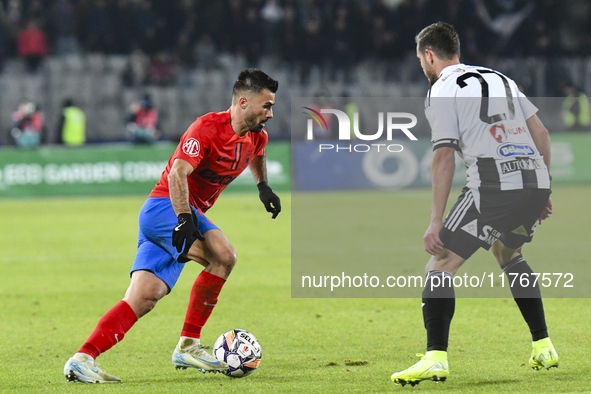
429 55
243 102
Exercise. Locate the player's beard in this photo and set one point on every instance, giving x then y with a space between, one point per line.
431 75
253 125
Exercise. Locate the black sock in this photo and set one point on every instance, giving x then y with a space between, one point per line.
528 299
439 303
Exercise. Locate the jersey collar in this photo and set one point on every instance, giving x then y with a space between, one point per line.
450 69
227 116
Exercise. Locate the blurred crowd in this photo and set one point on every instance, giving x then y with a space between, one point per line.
28 128
336 33
161 38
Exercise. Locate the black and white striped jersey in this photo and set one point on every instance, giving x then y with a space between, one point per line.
482 114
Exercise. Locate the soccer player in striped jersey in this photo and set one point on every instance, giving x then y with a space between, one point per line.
215 149
481 114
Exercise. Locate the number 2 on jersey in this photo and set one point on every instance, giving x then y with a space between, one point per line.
461 81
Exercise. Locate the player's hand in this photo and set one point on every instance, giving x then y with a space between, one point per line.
185 233
546 212
431 241
270 199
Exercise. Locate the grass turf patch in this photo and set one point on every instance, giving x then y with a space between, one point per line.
65 262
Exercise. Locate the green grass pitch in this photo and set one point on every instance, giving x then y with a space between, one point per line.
64 262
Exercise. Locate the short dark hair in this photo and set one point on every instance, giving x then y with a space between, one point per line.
255 81
441 38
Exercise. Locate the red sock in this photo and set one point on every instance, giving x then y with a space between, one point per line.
204 296
110 329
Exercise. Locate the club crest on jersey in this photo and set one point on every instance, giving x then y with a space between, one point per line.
498 132
509 150
249 155
192 147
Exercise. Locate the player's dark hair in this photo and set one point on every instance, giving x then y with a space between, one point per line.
441 38
255 81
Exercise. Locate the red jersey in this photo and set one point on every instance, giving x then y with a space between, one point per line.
218 155
146 119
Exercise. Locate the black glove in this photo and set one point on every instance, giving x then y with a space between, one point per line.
270 199
185 233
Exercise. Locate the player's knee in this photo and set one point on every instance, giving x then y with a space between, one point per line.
511 256
504 254
147 305
141 305
143 300
227 258
445 261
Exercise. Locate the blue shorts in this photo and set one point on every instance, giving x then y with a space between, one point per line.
155 252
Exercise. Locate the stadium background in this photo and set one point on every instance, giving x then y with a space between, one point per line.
186 54
106 53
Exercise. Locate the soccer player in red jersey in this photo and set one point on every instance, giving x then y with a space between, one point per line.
215 149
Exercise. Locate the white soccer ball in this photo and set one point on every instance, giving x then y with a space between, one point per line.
240 350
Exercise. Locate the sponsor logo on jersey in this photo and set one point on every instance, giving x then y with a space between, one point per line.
220 158
521 164
489 235
516 131
510 150
498 132
213 177
192 147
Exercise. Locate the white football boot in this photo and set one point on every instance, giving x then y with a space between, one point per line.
82 368
189 353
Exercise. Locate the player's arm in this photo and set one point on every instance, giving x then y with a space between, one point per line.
258 167
185 232
178 186
272 203
541 138
442 173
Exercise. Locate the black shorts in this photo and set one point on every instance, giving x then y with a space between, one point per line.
510 216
